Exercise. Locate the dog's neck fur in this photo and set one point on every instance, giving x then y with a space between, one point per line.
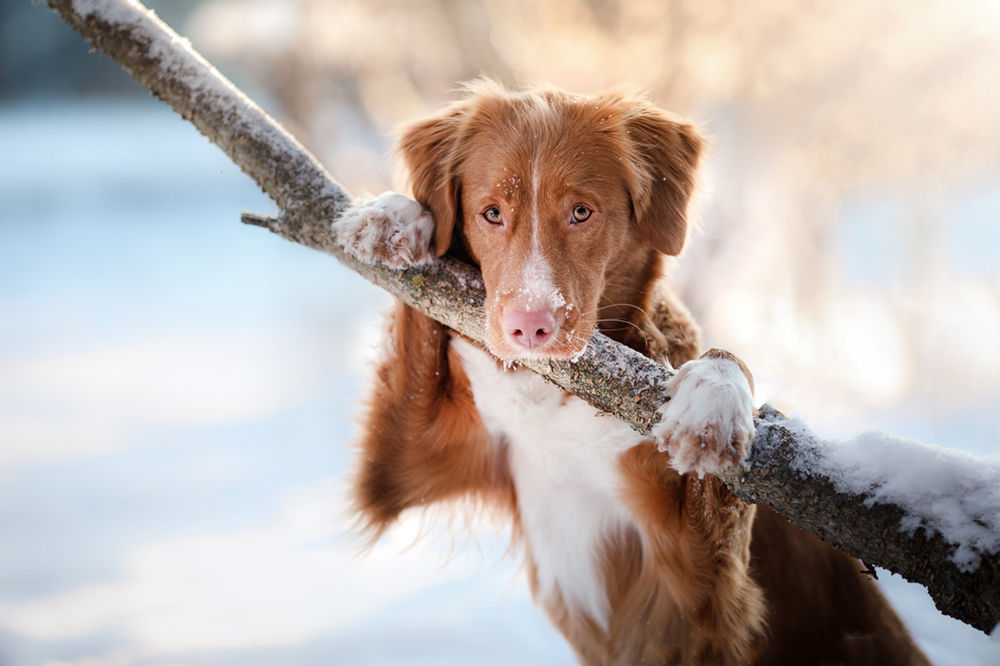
624 303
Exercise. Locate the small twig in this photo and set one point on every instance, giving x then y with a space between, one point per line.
259 220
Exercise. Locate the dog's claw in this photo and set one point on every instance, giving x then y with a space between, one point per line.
708 424
389 229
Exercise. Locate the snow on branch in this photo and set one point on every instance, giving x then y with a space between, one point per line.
928 514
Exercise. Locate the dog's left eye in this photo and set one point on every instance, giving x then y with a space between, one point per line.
580 214
493 215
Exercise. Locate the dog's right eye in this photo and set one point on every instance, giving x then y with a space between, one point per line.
493 215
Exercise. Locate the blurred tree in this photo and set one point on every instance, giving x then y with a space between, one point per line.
818 112
41 57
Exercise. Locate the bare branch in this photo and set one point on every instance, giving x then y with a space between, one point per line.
609 376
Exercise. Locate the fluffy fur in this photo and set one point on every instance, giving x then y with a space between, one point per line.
636 551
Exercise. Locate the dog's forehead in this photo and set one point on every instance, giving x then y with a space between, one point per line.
555 148
521 128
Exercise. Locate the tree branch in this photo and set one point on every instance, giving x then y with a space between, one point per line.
609 376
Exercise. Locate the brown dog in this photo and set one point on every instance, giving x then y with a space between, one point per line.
638 554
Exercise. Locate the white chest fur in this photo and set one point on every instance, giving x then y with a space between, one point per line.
563 458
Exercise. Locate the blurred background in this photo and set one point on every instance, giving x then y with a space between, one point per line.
178 391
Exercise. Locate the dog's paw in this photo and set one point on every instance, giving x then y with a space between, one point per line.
389 229
708 423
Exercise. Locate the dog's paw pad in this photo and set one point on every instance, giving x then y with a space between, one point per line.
708 424
389 229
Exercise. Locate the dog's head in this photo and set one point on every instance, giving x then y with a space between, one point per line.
550 193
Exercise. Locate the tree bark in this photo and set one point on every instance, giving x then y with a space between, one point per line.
609 376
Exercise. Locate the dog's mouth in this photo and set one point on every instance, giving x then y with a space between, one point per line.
516 333
555 352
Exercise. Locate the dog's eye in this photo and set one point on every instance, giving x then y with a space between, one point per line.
580 214
493 215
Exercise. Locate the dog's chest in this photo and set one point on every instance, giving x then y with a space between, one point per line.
564 462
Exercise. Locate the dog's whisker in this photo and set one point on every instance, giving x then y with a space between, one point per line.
620 321
620 305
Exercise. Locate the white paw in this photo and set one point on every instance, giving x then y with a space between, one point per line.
708 423
389 229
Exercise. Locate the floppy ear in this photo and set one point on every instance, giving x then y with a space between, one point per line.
428 148
664 162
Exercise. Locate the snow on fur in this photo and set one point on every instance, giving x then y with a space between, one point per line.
390 228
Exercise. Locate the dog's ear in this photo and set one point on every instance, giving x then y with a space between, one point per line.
665 153
429 150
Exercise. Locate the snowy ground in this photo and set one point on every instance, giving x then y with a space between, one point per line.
175 413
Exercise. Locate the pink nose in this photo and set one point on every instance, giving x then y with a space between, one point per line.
529 329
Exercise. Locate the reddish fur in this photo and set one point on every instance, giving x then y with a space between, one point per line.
697 580
424 441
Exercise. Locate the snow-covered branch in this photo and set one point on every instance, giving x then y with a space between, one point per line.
946 537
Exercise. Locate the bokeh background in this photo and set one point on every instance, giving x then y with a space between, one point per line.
178 391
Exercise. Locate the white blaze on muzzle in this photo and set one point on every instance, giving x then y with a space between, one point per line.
537 290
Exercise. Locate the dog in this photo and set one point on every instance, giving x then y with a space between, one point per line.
636 551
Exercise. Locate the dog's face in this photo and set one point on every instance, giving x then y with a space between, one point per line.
550 193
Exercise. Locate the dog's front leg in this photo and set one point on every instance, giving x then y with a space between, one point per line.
697 533
423 439
708 423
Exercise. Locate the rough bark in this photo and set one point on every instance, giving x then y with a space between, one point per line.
611 377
